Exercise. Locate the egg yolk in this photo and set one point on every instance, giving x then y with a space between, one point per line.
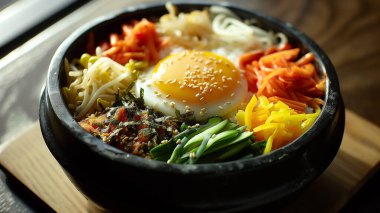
196 77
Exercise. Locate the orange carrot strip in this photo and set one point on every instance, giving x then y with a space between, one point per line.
267 78
268 60
138 40
111 51
306 59
247 58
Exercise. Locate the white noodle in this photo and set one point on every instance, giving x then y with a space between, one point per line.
95 96
102 79
212 29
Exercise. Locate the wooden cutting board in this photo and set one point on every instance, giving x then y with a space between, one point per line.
29 160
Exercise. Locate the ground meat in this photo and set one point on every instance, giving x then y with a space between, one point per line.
131 127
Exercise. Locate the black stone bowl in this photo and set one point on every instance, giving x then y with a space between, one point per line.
119 181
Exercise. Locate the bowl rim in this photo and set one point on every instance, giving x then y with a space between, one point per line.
58 105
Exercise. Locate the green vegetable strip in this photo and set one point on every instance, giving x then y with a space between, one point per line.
223 136
183 127
163 151
197 139
235 149
222 144
201 149
230 126
210 123
242 128
214 141
178 150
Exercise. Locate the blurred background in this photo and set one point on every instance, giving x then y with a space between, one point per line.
31 31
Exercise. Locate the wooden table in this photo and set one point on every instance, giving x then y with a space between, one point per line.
347 31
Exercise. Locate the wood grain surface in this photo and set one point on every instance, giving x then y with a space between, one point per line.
357 159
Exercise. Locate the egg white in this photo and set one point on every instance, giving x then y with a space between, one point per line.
168 106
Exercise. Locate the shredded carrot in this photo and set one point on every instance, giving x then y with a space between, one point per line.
138 41
282 75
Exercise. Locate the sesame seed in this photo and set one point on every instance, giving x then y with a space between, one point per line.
178 141
220 107
232 94
192 155
202 98
172 104
230 79
184 101
167 96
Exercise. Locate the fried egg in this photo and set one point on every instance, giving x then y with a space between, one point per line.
203 82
